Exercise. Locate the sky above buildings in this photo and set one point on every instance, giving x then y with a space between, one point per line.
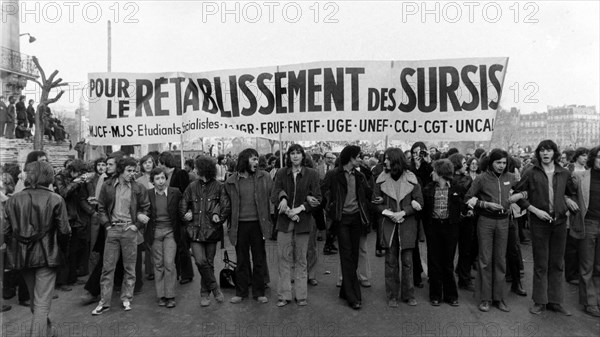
553 46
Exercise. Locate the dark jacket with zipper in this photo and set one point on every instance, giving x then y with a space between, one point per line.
307 183
173 199
35 218
106 202
535 183
334 189
205 199
492 188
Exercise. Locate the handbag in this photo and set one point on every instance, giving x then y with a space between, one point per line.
227 274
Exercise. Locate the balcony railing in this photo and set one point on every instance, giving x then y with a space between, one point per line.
19 63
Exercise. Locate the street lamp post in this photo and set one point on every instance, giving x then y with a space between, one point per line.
31 38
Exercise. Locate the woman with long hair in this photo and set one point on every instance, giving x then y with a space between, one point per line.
473 167
296 190
147 164
398 195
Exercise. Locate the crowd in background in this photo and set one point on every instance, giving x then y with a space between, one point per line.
17 120
120 221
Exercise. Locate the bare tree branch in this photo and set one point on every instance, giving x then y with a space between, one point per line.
51 78
37 64
50 101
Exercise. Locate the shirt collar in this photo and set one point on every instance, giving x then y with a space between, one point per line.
166 192
446 185
122 181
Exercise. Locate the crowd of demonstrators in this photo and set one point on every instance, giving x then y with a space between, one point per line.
476 209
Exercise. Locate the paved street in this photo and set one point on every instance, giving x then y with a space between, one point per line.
326 315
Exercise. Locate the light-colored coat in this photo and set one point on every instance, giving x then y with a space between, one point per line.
582 180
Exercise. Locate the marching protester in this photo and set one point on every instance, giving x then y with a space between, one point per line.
441 220
398 195
548 187
490 195
36 231
92 286
466 225
421 167
578 164
348 196
159 234
123 207
330 163
178 178
147 164
585 226
68 183
204 208
248 194
296 191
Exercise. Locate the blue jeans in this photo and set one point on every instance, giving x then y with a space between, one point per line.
40 282
589 264
204 255
118 241
164 249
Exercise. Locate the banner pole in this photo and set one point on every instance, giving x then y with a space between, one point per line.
280 151
386 143
181 151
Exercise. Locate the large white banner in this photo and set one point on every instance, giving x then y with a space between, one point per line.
449 100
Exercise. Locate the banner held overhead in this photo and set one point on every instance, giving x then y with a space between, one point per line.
451 100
